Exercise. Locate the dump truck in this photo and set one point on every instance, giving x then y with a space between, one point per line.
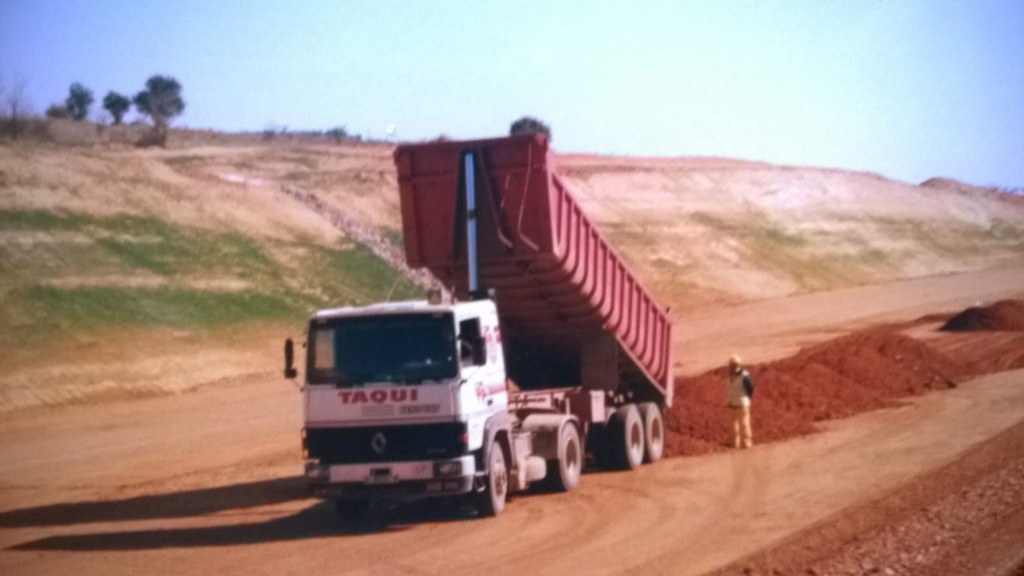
547 349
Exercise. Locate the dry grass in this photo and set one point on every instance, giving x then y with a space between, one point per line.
103 240
716 231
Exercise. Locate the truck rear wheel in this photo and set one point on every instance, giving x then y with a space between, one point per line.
564 473
491 501
654 431
626 433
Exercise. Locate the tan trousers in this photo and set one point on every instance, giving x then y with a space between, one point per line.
737 427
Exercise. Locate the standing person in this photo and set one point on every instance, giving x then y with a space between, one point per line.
739 389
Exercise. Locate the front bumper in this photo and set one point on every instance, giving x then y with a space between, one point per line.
392 480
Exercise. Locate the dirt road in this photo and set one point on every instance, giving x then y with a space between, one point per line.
207 482
771 329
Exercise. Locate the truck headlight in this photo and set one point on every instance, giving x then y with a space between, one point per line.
315 471
453 468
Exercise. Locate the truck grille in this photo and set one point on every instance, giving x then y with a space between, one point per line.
385 443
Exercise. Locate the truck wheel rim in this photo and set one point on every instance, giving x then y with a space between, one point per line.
636 438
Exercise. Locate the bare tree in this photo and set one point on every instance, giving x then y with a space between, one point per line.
15 105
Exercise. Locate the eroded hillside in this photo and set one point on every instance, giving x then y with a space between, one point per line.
103 244
724 231
115 264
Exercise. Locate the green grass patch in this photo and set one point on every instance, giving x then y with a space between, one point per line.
147 243
36 307
763 231
99 307
771 246
956 240
186 160
1008 234
356 276
394 236
41 220
151 244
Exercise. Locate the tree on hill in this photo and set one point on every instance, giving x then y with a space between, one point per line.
530 125
161 101
337 134
78 102
117 105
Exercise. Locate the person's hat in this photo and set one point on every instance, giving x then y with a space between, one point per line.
735 360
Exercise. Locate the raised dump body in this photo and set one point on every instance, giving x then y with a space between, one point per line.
572 313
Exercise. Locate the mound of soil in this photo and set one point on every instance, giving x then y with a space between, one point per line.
1003 315
859 372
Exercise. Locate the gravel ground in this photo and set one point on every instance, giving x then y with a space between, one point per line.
965 518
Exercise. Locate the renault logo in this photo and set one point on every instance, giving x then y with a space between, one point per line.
379 443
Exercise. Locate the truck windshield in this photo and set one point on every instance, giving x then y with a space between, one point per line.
404 348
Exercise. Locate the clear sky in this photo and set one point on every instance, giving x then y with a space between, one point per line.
909 89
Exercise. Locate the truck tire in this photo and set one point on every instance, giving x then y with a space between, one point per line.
654 432
564 473
491 501
626 433
352 509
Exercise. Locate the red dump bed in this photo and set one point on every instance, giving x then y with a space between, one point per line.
572 312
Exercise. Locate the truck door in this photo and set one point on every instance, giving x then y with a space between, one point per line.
483 391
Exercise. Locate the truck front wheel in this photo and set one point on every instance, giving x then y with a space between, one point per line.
626 433
492 499
565 472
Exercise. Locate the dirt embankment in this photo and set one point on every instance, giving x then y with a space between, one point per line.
863 371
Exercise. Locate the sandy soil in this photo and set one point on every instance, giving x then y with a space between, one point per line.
965 518
100 367
207 481
713 230
697 231
771 329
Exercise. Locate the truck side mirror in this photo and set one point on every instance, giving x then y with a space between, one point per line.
289 359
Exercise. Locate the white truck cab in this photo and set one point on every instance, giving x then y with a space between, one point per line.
401 400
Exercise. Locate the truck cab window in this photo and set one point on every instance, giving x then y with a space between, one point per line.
401 348
471 343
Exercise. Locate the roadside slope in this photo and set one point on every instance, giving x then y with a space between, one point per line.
123 274
106 244
705 231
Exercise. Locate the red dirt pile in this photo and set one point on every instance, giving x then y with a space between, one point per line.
1003 315
859 372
